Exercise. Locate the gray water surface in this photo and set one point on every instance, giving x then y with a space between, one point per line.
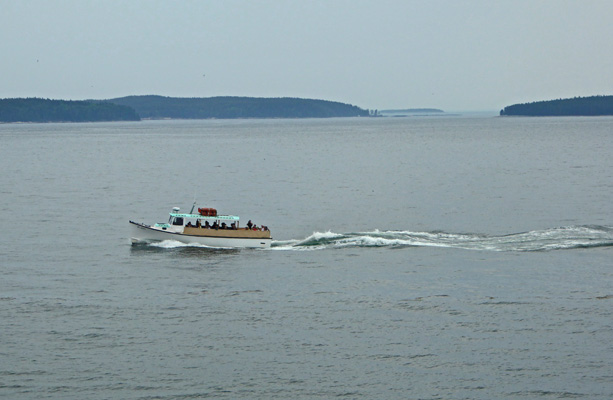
414 258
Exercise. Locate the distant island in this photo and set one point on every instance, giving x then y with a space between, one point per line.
413 111
410 112
45 110
160 107
578 106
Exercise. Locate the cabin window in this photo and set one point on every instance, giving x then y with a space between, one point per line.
178 221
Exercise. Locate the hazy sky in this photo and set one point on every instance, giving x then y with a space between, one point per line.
458 55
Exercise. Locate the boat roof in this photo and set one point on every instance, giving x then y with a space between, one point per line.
198 216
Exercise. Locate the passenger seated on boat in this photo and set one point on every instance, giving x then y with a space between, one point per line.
207 225
215 225
189 224
249 224
264 228
224 226
198 224
233 226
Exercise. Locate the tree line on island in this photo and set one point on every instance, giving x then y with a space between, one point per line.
158 107
45 110
133 108
578 106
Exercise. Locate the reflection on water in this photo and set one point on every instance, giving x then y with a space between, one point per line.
181 249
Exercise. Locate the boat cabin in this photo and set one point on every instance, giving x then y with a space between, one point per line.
209 219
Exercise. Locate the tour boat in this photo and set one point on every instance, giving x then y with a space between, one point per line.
205 228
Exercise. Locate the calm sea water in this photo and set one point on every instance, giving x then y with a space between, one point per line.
414 258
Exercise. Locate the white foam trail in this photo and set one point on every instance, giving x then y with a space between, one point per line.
173 244
541 240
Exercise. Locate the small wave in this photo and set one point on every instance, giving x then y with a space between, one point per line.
174 244
562 238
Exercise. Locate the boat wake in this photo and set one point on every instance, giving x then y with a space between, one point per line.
173 244
570 237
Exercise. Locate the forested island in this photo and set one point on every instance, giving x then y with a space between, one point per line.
160 107
45 110
578 106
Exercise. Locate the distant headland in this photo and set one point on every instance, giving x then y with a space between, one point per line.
135 108
578 106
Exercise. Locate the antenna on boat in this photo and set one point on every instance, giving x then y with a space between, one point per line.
193 206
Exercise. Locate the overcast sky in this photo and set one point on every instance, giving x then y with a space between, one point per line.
456 55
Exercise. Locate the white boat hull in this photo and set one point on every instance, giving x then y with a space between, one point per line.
147 233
